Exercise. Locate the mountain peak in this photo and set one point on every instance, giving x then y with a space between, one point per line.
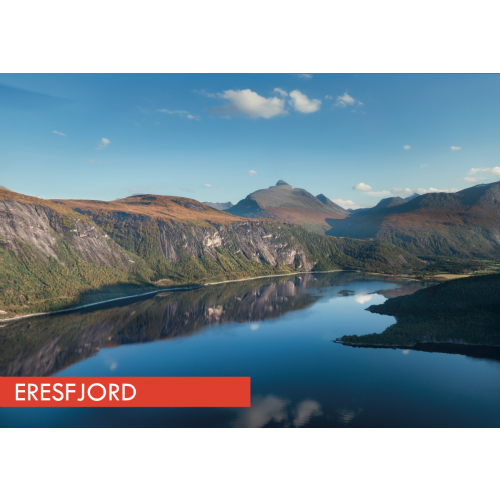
389 203
282 183
412 197
329 203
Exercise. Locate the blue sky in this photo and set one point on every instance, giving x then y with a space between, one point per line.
220 137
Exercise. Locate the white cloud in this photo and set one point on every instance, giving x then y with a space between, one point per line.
347 100
302 103
205 93
402 192
494 170
222 189
250 104
208 185
252 173
189 190
281 92
474 180
362 187
104 142
434 190
58 133
179 112
305 75
328 97
172 112
423 165
345 203
378 193
406 147
455 148
369 190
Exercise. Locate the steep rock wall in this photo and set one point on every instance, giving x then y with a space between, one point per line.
45 230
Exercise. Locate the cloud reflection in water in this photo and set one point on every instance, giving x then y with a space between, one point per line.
305 410
270 408
361 299
346 416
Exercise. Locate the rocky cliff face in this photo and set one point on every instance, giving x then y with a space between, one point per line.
46 231
51 255
257 241
203 247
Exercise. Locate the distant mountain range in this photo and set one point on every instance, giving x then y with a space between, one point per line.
290 204
219 206
412 196
464 224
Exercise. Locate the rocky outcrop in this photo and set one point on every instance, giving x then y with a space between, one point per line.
257 241
43 229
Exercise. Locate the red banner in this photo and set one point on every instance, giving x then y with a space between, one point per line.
228 392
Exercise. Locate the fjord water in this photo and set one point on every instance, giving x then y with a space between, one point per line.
280 332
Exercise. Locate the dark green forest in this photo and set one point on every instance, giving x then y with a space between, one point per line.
461 310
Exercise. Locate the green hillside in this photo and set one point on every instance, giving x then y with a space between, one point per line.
461 310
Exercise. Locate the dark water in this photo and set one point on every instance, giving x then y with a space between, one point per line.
277 331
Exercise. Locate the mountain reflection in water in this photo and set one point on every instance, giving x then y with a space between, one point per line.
278 331
45 345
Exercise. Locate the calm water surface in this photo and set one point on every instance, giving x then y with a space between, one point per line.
277 331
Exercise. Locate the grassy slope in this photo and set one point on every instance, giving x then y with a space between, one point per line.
466 310
350 253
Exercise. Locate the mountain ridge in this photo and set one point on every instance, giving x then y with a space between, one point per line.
57 254
286 203
463 224
219 206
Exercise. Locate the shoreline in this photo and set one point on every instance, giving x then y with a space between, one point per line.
402 346
194 287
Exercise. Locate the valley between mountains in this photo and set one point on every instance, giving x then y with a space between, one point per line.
57 254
